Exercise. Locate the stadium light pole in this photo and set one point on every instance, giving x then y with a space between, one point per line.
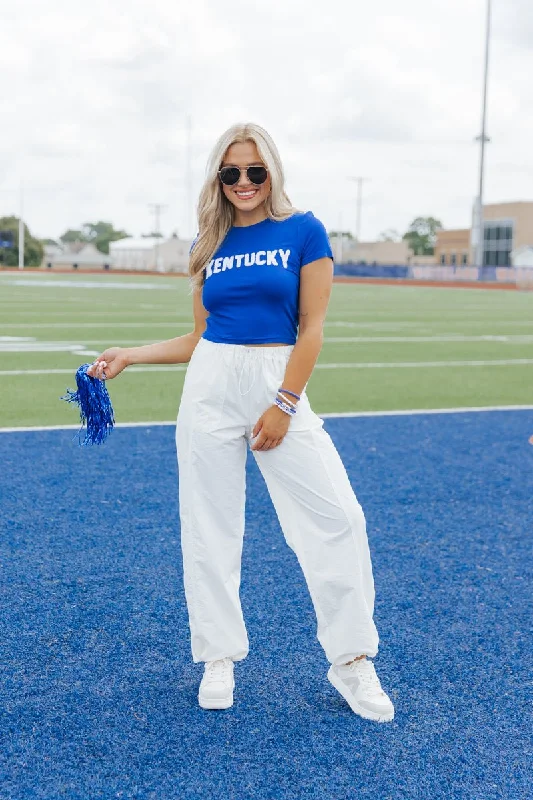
157 208
188 180
359 182
483 139
21 228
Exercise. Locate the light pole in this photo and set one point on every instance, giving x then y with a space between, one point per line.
21 228
157 208
483 139
188 181
359 182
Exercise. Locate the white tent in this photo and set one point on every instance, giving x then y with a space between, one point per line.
151 253
86 256
522 256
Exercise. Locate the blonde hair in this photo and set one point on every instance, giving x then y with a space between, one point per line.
216 213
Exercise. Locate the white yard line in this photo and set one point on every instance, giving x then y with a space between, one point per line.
516 338
332 415
423 364
181 323
341 365
23 343
65 283
108 325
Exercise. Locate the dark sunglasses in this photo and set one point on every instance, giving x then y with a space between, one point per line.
230 175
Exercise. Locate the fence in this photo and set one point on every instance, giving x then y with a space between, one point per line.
430 273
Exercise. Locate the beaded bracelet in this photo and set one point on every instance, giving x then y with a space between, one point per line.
292 394
286 400
285 407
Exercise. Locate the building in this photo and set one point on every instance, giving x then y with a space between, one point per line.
77 255
453 247
375 253
151 253
507 227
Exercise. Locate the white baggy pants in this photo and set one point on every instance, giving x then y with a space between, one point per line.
227 388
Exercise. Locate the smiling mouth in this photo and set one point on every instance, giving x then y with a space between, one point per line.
247 195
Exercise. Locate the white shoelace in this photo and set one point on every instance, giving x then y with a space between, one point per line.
367 675
217 670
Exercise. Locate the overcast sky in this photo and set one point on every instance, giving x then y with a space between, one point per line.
96 97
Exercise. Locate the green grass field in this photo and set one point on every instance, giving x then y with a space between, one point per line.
385 348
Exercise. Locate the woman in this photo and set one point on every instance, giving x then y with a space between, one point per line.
262 275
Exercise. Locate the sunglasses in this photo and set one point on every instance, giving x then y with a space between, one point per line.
230 175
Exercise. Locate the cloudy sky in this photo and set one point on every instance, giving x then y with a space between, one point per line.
97 96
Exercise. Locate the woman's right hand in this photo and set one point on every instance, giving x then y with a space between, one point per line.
109 364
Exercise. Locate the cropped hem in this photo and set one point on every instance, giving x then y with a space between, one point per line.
251 340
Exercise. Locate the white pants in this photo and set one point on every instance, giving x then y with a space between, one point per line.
227 388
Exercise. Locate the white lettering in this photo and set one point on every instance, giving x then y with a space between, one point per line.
285 257
218 264
263 261
271 258
228 263
249 259
238 260
209 270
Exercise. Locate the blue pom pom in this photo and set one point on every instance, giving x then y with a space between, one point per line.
95 407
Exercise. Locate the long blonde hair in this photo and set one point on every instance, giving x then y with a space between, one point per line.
216 213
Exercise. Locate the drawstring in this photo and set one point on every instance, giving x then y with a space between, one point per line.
251 386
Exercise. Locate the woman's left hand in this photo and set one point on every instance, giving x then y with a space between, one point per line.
270 429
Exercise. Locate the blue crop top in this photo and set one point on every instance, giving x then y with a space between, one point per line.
252 283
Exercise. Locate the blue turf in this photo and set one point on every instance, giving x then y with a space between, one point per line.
98 690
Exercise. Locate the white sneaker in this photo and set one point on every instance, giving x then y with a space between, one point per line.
360 687
216 688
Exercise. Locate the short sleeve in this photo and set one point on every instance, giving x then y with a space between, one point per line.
314 240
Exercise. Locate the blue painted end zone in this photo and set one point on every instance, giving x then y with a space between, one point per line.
98 691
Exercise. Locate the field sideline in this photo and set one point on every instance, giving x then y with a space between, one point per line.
386 347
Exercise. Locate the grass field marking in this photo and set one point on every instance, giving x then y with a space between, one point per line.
109 326
98 312
32 345
419 411
333 415
385 326
63 371
76 325
85 284
354 365
425 324
518 338
9 343
423 364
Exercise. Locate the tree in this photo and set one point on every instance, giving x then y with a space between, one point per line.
98 233
153 235
102 233
71 236
33 249
422 235
389 235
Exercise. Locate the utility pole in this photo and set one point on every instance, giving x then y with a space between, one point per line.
359 182
156 209
340 242
21 228
188 180
483 139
